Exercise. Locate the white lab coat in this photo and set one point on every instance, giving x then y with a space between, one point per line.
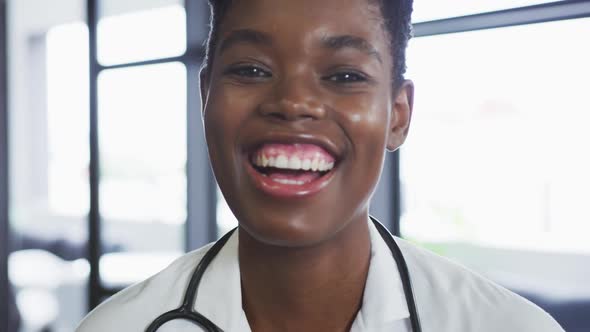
449 297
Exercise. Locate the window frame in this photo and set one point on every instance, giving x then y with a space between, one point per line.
201 223
542 13
390 185
4 226
535 14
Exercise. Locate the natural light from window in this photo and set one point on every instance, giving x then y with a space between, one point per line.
68 119
142 126
142 35
498 149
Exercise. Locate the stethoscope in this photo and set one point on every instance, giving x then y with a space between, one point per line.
186 312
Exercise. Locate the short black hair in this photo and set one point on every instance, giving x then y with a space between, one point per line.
396 19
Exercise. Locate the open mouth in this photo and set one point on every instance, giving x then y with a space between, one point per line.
292 169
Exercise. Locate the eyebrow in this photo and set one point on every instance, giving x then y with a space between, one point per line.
348 41
332 42
244 36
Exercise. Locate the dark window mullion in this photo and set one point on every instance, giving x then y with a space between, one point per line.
181 58
554 11
94 228
109 291
4 227
385 200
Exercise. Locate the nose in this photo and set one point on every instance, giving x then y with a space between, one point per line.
293 99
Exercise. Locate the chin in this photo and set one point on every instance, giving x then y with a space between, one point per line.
293 232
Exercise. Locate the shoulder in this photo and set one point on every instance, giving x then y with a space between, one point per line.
135 307
457 299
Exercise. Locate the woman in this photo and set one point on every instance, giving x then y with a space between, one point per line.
301 101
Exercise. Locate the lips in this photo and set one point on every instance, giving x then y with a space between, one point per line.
291 169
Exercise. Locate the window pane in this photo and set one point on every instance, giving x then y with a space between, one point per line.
495 171
49 157
131 31
428 10
67 103
142 130
497 149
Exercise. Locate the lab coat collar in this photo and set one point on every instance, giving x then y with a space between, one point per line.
383 300
220 296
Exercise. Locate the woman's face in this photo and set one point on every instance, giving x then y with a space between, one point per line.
299 110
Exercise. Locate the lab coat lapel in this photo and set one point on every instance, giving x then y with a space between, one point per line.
219 297
384 301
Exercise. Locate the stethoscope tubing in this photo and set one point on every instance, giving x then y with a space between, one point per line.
181 314
186 312
404 272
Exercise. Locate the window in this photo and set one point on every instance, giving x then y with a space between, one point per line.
496 150
67 120
134 31
49 158
142 130
142 124
494 173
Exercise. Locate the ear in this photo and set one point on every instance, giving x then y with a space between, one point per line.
204 86
401 115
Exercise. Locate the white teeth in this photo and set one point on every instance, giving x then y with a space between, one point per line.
282 162
314 165
287 181
294 163
306 165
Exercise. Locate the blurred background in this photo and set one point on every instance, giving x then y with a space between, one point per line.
104 177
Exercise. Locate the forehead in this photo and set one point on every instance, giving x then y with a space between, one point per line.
305 21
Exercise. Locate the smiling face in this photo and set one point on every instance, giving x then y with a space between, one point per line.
299 108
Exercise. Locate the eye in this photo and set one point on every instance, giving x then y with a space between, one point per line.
248 71
346 78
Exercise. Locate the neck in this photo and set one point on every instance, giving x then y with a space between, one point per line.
316 288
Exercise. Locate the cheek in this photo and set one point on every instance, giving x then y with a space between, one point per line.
226 113
223 114
366 126
221 119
